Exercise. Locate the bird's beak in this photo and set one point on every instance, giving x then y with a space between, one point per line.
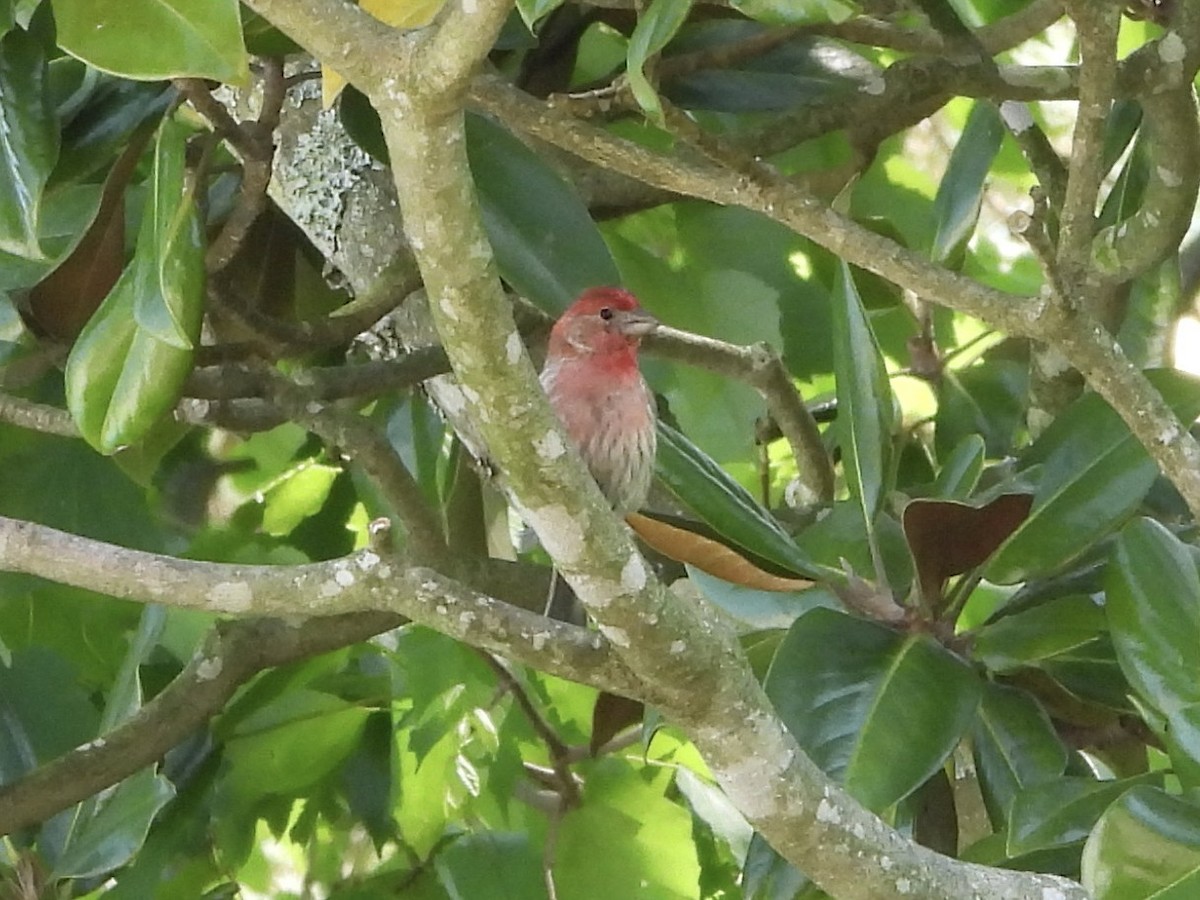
634 323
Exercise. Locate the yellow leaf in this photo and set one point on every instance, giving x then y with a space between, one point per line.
400 14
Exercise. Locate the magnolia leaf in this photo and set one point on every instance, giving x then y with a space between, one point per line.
948 538
709 555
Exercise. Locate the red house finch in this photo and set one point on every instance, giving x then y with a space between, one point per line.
592 379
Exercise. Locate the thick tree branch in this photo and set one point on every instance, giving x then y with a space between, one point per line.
361 582
1096 25
339 33
459 41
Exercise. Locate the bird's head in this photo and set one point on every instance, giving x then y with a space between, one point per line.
603 322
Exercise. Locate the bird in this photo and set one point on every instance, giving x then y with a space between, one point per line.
596 389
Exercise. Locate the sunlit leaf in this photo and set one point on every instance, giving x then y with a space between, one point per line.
194 40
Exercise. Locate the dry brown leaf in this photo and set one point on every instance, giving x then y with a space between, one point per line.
709 556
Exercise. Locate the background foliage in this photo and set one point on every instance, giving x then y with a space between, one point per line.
999 654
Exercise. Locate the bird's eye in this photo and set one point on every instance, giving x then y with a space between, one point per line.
606 313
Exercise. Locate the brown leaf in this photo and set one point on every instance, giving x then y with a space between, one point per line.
709 555
611 715
948 538
61 304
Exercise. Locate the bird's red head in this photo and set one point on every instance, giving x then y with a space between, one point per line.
605 322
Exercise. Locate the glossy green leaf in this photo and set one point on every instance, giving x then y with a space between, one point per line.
1147 844
852 692
170 246
111 837
1015 746
1094 473
121 375
178 38
1061 812
960 194
28 143
959 474
1182 743
724 504
864 398
1153 606
1031 636
655 28
111 112
67 212
546 244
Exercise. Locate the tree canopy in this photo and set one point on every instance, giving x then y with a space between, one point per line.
915 606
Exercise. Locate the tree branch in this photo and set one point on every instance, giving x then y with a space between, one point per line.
361 582
339 33
230 655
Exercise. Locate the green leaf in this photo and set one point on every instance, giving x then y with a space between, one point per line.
1015 747
625 840
290 743
112 113
864 398
959 474
128 365
655 28
125 698
760 609
1147 844
956 205
494 864
166 294
533 11
795 12
1153 606
987 400
299 494
725 506
1062 812
66 214
28 143
151 40
44 709
852 692
1094 474
1029 637
114 834
546 244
